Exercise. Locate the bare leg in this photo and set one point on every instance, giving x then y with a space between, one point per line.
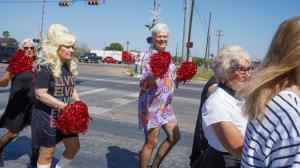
173 136
46 155
72 146
151 140
6 139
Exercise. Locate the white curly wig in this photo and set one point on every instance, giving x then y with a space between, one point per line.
57 35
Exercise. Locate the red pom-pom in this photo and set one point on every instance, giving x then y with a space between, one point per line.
20 63
159 63
187 71
74 118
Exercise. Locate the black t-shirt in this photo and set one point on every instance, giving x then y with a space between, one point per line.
61 88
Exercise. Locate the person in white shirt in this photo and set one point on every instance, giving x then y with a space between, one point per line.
223 121
273 104
138 65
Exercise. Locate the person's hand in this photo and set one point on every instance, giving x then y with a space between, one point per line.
61 106
152 79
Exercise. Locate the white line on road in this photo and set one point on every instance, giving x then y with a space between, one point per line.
99 110
92 91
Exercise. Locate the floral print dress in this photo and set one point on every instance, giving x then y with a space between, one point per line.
154 104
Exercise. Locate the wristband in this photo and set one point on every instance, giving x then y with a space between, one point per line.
57 105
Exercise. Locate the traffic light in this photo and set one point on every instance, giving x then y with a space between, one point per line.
189 45
64 3
93 2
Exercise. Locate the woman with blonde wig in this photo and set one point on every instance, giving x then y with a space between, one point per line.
273 133
54 89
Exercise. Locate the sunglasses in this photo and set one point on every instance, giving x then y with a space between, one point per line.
27 48
243 69
68 47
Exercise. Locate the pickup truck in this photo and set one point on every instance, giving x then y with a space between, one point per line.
90 58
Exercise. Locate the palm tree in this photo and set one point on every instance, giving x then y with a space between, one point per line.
6 34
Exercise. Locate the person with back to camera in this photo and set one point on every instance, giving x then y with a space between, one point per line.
18 111
200 143
272 103
223 121
54 89
154 104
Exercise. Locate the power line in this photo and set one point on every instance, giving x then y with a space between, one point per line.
204 12
37 1
201 21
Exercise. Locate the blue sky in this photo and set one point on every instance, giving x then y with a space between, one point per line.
249 23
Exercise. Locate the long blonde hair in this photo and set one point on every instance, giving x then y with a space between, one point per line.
277 70
57 35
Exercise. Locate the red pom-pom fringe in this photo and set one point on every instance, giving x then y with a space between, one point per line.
187 71
74 119
20 63
159 63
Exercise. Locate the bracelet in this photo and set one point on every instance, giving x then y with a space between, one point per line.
57 105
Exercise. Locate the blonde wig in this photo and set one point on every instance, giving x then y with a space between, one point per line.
226 59
277 70
57 36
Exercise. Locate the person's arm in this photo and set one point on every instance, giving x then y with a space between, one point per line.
42 95
4 80
75 95
230 137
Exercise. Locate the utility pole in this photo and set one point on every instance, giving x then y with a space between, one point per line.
185 28
42 24
176 53
207 44
190 30
219 36
155 15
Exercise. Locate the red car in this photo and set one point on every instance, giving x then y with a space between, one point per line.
109 60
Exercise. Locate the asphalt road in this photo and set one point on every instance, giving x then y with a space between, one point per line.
113 139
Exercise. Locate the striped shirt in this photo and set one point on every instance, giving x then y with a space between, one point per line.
275 141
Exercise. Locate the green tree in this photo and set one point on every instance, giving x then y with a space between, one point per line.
81 49
114 46
198 61
5 34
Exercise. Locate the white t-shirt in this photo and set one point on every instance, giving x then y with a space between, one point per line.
219 107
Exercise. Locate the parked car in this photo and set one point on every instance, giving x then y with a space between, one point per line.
109 60
90 58
8 48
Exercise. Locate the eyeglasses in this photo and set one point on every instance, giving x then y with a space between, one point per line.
68 47
243 69
27 48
